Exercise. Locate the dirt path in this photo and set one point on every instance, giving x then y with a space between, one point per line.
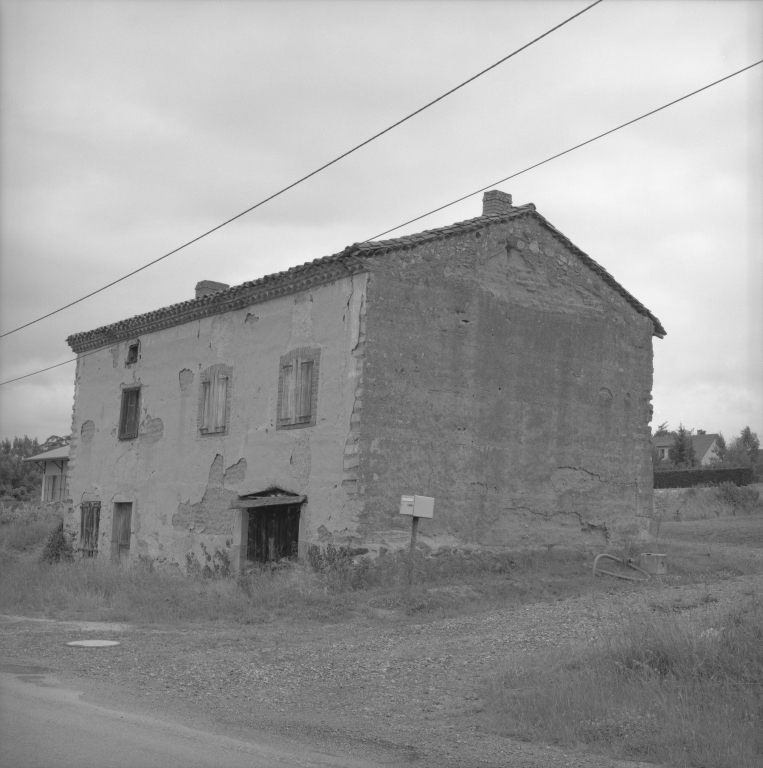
398 691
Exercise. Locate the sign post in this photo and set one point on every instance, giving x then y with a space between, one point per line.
415 507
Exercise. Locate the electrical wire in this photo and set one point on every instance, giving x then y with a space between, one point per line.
482 189
566 151
305 178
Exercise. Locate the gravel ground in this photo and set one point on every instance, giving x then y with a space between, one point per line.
405 692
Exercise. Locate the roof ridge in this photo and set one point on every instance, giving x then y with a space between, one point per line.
319 272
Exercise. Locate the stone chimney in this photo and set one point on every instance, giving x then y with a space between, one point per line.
205 287
496 202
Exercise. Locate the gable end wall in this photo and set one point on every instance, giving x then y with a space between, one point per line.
510 382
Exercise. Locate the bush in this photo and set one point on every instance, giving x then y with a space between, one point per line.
742 498
338 566
58 547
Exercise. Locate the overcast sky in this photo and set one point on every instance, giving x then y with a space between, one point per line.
129 128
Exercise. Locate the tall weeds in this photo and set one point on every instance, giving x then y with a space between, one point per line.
660 690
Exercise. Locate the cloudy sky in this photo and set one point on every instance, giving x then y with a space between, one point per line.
128 128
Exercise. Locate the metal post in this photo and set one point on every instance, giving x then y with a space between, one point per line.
414 531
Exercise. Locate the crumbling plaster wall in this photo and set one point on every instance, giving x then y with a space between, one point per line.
510 382
181 483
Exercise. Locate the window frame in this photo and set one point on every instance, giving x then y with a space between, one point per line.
129 360
292 389
123 432
121 523
209 383
52 488
90 523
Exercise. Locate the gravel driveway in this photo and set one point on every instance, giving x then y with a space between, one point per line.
401 691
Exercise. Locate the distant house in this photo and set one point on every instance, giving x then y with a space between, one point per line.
55 467
704 446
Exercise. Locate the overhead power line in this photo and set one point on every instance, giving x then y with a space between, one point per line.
482 189
566 152
309 175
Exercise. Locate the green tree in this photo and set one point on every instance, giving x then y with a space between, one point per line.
681 453
662 430
744 451
19 480
720 447
749 440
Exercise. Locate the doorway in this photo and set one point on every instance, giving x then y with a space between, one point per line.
273 533
121 528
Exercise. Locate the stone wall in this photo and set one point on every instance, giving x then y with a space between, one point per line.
181 482
507 380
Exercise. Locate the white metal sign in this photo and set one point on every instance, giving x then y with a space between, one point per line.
417 506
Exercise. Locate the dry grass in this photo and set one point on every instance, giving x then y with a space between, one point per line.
660 690
25 527
449 583
101 591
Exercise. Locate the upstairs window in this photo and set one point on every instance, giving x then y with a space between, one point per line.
298 389
215 399
128 417
132 354
54 488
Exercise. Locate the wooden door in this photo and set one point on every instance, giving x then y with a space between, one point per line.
122 528
273 533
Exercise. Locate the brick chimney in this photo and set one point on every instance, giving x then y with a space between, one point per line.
205 287
496 202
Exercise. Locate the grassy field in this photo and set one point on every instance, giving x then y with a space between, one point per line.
448 584
660 689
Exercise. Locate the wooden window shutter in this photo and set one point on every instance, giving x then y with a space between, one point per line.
128 423
214 399
206 419
220 394
304 387
297 388
288 393
89 524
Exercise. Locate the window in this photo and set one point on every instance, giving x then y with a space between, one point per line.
120 530
215 394
132 353
128 417
215 399
91 517
54 487
298 389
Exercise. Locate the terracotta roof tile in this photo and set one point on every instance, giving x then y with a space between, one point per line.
318 272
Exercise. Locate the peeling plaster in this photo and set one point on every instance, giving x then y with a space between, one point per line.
236 473
213 514
151 430
186 379
87 431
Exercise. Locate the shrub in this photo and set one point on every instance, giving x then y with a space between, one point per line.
338 566
742 498
58 547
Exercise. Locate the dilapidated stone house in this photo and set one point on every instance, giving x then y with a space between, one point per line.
490 364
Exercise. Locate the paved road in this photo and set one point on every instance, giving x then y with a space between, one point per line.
44 723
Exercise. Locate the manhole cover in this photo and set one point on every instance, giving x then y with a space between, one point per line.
93 643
